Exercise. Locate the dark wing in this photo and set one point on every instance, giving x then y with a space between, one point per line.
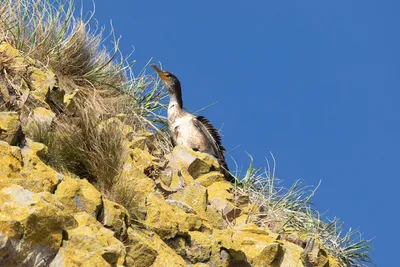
211 133
215 140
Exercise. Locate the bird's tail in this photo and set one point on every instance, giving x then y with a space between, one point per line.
225 171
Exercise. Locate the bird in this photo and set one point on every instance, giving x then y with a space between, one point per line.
188 130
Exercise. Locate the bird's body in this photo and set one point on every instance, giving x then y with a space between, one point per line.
188 130
184 133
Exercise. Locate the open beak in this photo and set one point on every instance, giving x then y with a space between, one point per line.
159 72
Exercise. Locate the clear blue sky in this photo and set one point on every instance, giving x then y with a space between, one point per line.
315 82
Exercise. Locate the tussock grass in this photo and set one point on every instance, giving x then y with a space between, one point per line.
73 48
290 210
48 32
92 144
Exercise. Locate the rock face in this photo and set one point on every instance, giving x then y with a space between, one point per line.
42 227
24 167
187 213
10 127
31 226
90 244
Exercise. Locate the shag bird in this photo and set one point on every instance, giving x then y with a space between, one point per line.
188 130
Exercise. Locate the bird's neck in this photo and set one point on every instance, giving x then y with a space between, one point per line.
174 110
175 97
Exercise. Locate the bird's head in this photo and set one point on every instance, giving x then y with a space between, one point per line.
170 81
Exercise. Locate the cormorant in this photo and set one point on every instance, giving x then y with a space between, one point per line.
195 132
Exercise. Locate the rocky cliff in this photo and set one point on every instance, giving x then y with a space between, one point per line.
86 179
186 215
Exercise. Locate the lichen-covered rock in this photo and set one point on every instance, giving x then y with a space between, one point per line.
89 244
115 217
215 218
170 182
220 190
184 166
166 220
141 159
141 251
11 59
165 178
182 205
255 243
250 245
185 175
195 196
314 255
42 81
250 209
25 168
221 198
32 84
210 178
227 209
31 226
221 241
200 264
196 163
79 195
291 256
147 249
10 127
178 244
199 247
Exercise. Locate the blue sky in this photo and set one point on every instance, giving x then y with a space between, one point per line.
314 82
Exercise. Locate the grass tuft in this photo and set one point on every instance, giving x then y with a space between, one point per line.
73 48
289 210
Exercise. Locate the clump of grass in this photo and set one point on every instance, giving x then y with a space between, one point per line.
93 145
288 210
48 32
73 48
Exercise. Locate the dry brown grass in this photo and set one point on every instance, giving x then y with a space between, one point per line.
88 146
73 49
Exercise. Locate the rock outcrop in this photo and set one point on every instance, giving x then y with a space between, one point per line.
188 213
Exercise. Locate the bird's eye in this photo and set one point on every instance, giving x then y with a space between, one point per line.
167 75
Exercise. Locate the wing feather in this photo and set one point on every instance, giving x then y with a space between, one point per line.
211 133
214 138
